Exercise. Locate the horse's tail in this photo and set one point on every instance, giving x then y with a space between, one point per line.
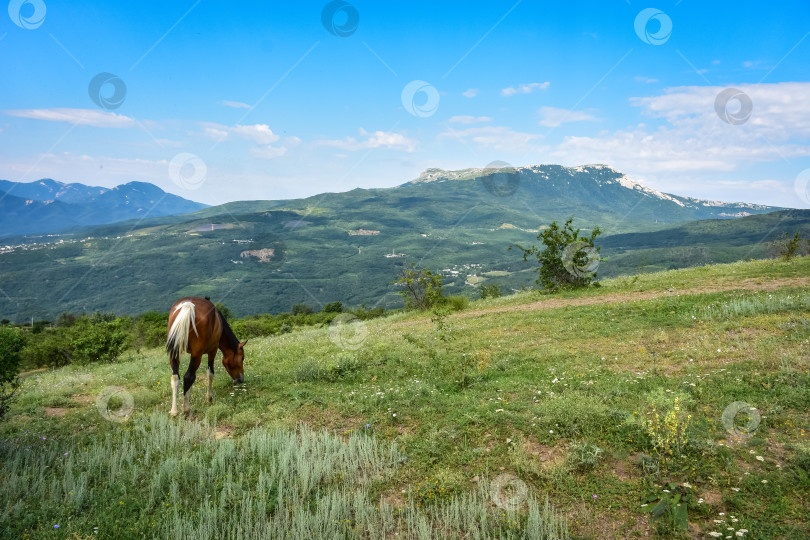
177 342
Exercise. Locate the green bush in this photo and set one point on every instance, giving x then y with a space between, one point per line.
301 309
149 330
12 342
584 456
50 348
97 342
333 307
456 302
490 291
90 339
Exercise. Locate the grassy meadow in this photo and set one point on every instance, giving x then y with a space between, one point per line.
668 405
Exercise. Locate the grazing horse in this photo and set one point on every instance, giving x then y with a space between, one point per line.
196 327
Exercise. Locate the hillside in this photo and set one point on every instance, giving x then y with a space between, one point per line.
460 223
449 427
48 206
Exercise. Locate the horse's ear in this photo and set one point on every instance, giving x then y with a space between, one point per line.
243 343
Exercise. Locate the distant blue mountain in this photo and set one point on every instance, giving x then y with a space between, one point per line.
49 206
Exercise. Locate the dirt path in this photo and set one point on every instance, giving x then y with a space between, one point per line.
751 284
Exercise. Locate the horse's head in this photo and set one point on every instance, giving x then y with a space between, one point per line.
234 363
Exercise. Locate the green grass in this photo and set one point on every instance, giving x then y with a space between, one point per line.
449 413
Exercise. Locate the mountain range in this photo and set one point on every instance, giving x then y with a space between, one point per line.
48 206
265 256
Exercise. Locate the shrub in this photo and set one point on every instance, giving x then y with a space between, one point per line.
490 291
302 309
90 339
12 342
456 302
569 260
333 307
97 342
51 348
584 456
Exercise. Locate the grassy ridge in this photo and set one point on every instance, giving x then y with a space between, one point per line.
557 399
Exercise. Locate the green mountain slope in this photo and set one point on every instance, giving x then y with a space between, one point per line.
265 256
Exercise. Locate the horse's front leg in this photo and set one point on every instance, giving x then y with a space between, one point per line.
175 363
210 395
188 380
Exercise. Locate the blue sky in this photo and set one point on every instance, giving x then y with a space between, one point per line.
259 100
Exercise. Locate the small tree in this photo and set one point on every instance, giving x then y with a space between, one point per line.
333 307
422 289
569 261
786 246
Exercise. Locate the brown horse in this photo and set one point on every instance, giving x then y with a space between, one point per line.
210 332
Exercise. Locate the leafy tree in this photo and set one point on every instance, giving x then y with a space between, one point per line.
422 289
569 261
333 307
490 291
12 342
302 309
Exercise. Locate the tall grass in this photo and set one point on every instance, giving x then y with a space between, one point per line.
162 478
762 303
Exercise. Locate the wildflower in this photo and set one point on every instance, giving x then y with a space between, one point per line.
764 481
56 526
760 458
595 496
716 534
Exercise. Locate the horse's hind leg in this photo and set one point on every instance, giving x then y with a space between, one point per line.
210 395
175 363
188 380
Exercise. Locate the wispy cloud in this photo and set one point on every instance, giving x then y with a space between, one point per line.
260 134
499 138
235 104
463 119
554 117
646 80
694 139
379 139
79 117
471 93
524 89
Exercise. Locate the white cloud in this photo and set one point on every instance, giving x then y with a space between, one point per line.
269 151
79 117
463 119
645 80
554 117
693 138
471 93
235 104
524 89
379 139
499 138
258 133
